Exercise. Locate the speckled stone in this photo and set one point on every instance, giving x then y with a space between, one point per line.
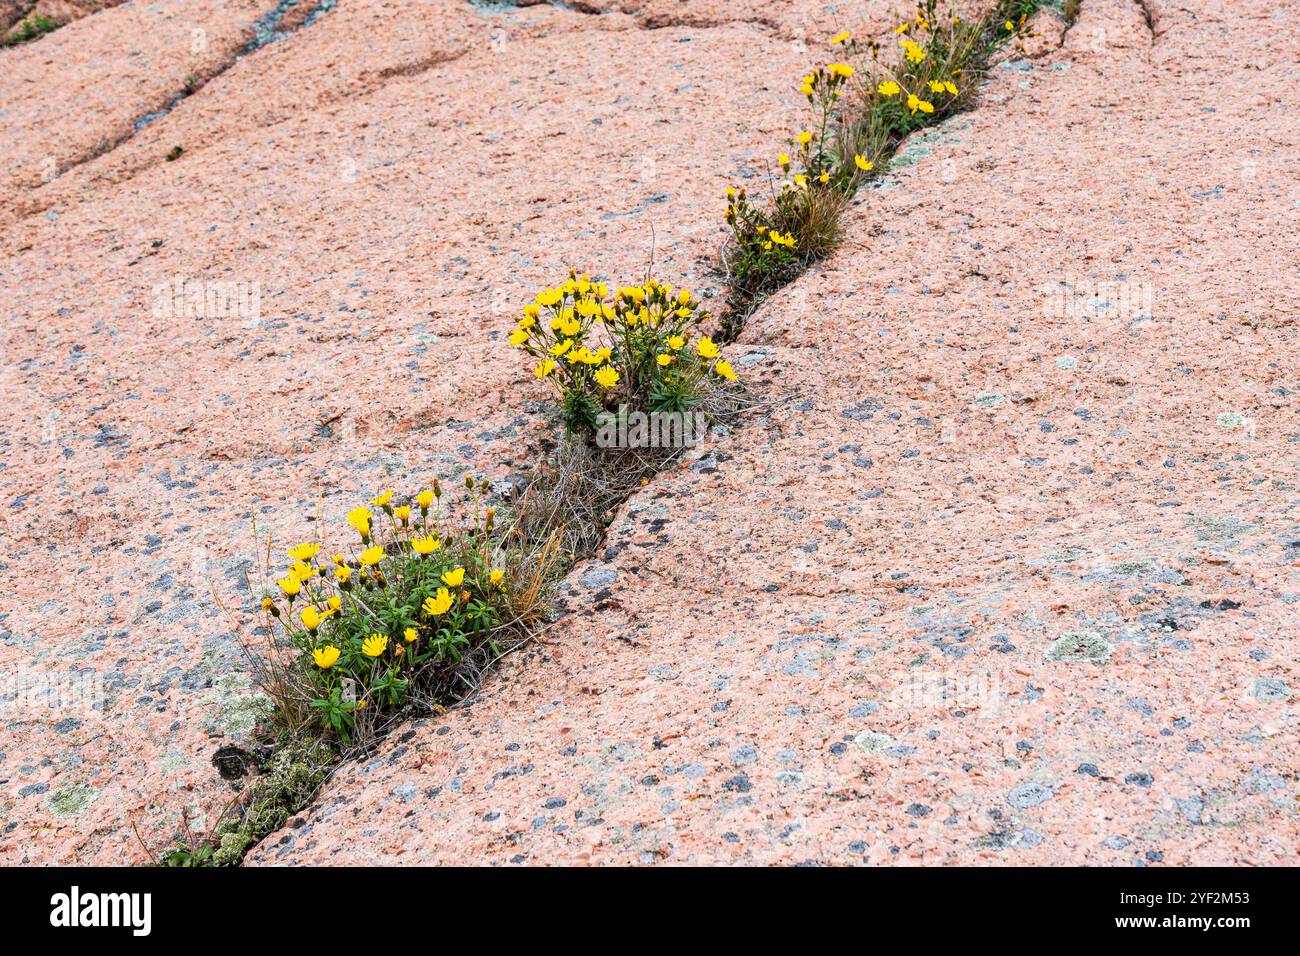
394 224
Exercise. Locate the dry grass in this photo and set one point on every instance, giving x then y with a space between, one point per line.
573 494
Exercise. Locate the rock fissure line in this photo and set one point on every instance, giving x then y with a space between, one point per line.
265 32
19 15
1148 16
742 304
642 21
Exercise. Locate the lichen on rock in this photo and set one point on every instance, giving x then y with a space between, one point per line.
71 800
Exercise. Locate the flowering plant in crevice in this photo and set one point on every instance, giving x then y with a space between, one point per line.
363 631
635 348
863 106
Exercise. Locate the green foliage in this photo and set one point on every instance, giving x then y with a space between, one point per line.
32 28
182 855
634 349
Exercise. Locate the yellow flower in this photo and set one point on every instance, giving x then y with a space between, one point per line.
359 518
374 645
402 513
913 51
676 342
518 337
290 585
497 577
863 163
888 88
950 87
424 499
801 180
913 102
310 618
926 107
325 656
607 376
784 159
664 359
841 37
1009 26
439 604
342 573
559 348
707 348
804 138
426 545
304 552
302 571
372 556
382 499
411 635
453 578
841 70
936 86
724 369
545 368
334 603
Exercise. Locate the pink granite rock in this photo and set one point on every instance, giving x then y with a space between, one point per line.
1005 573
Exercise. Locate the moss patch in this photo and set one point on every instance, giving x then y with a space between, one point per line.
292 776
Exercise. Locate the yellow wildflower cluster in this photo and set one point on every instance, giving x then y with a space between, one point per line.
632 345
411 596
864 104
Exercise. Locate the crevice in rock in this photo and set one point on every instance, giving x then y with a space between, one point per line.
1148 16
743 303
61 13
15 15
644 21
286 18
